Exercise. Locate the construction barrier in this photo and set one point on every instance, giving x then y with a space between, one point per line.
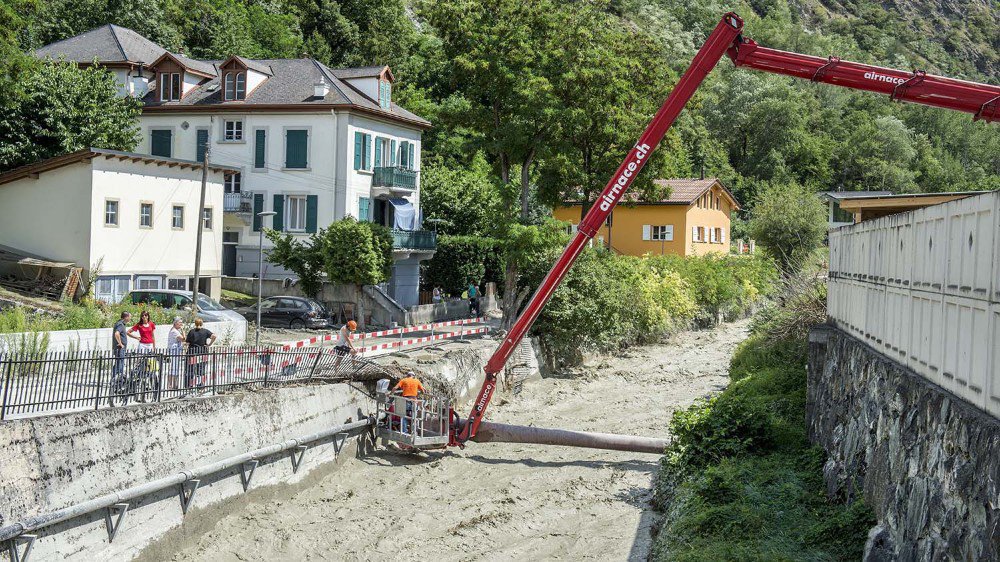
383 333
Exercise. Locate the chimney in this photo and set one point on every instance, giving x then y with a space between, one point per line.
322 88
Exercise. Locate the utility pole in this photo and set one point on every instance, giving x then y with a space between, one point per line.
201 215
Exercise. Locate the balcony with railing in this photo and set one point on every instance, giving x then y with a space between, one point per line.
238 203
394 177
418 240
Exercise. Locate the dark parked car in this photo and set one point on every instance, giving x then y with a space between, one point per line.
288 312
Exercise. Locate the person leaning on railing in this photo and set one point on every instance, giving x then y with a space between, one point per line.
175 351
198 341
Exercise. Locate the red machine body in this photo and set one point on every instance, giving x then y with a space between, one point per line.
981 100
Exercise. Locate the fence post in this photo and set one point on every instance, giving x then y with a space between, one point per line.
6 387
211 373
319 355
267 368
100 375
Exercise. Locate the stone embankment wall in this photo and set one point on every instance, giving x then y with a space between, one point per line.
53 462
925 460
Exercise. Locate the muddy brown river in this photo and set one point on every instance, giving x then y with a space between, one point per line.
491 501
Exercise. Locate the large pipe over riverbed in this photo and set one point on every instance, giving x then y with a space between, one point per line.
492 432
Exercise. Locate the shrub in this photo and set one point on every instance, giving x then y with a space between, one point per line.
717 428
461 259
789 221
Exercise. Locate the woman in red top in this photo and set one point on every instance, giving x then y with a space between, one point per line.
146 329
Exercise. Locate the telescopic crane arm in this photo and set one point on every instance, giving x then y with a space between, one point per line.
981 100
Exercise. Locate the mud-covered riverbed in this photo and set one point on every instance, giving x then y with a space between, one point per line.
494 501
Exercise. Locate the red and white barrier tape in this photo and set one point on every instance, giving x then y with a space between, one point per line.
382 333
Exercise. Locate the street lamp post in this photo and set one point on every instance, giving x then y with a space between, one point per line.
260 272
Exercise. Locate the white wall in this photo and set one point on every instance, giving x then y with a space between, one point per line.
923 288
49 216
368 86
99 339
162 250
359 182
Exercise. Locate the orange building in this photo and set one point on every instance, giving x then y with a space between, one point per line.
693 220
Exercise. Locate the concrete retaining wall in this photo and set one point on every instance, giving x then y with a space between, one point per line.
926 461
53 462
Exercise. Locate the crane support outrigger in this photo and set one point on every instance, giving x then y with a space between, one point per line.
981 100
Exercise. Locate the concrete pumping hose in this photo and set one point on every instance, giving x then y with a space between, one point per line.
491 432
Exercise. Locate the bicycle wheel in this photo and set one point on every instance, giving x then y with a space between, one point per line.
147 388
120 392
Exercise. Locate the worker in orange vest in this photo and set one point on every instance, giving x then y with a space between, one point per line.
411 389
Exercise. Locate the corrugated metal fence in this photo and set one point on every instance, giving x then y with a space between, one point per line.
923 287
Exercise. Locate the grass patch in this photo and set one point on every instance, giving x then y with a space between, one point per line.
85 316
237 298
741 480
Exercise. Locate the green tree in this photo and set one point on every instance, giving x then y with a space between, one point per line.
464 199
880 153
304 258
13 61
611 78
62 108
789 221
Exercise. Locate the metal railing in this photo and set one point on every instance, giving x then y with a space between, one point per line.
394 176
34 384
237 202
414 240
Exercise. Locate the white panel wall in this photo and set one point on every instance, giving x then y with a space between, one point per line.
924 289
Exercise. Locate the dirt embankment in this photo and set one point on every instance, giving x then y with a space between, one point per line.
496 501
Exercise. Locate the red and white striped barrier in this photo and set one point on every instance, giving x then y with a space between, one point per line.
382 333
425 339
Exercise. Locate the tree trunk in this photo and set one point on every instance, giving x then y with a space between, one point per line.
361 307
509 303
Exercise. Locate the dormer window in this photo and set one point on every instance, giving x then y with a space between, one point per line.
235 86
385 94
170 86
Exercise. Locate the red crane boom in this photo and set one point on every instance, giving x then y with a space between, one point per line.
981 100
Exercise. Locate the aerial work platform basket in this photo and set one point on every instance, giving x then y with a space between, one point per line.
416 423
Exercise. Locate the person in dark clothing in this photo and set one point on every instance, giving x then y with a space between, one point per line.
198 341
119 343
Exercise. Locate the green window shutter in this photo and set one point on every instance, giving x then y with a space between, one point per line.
392 153
296 149
363 209
202 144
368 152
279 207
378 151
260 149
411 158
258 208
312 209
358 139
160 141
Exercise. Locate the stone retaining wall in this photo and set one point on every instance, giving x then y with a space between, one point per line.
926 461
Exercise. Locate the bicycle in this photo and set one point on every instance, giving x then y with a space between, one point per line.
141 381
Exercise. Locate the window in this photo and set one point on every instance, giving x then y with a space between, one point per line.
362 151
112 289
295 213
234 182
385 94
206 218
110 213
663 233
260 149
233 131
201 144
161 142
146 215
147 282
177 284
406 155
383 152
718 204
235 86
170 86
177 217
297 149
364 209
230 237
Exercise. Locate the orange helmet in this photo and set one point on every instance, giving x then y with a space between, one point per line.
352 325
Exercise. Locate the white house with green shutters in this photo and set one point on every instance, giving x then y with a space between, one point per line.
311 143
